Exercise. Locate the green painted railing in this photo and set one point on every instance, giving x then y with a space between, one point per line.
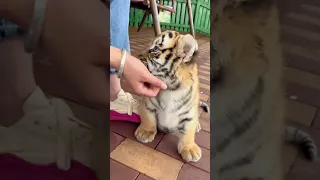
180 19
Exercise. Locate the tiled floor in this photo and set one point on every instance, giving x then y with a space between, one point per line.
300 23
159 160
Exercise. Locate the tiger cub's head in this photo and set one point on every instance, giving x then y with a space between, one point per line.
170 54
240 34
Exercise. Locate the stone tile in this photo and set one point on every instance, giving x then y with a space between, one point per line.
200 110
301 51
204 67
289 153
127 129
287 59
189 172
316 123
305 64
205 73
168 145
303 17
203 139
147 160
295 20
119 171
204 162
314 134
123 128
303 94
144 177
203 81
299 112
204 77
302 32
302 77
312 9
115 140
288 37
204 97
304 171
205 91
205 124
205 115
205 86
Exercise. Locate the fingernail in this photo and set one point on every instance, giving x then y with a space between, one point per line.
163 86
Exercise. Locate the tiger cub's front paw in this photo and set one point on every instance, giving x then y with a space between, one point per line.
145 135
190 153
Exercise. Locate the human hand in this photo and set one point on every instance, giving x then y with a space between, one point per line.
142 82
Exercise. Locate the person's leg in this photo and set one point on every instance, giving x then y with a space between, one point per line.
122 105
42 120
119 37
16 79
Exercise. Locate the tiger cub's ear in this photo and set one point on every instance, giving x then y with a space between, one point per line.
186 46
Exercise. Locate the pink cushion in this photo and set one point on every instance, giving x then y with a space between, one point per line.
14 168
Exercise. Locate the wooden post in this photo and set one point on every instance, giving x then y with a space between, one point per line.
156 23
191 18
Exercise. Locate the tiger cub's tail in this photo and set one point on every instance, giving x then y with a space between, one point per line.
303 140
204 106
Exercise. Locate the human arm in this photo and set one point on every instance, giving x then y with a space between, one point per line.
136 74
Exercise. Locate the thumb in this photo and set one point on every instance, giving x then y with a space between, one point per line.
154 81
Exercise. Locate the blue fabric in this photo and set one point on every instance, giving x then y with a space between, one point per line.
119 25
7 29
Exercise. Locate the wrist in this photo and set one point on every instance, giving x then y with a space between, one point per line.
115 57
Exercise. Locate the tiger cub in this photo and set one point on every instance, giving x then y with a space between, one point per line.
247 90
174 110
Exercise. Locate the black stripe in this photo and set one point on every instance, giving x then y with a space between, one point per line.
185 99
260 48
237 132
158 101
184 120
172 64
185 112
161 44
234 117
151 109
240 162
182 129
168 57
157 117
153 103
175 87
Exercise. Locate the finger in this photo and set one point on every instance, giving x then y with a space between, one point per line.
154 81
149 91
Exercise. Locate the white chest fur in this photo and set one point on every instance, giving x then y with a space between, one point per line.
170 106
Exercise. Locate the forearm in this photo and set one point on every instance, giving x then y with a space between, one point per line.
18 11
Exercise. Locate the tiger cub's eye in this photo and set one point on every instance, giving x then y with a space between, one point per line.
155 49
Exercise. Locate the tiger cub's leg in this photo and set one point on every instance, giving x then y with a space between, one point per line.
147 130
187 147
